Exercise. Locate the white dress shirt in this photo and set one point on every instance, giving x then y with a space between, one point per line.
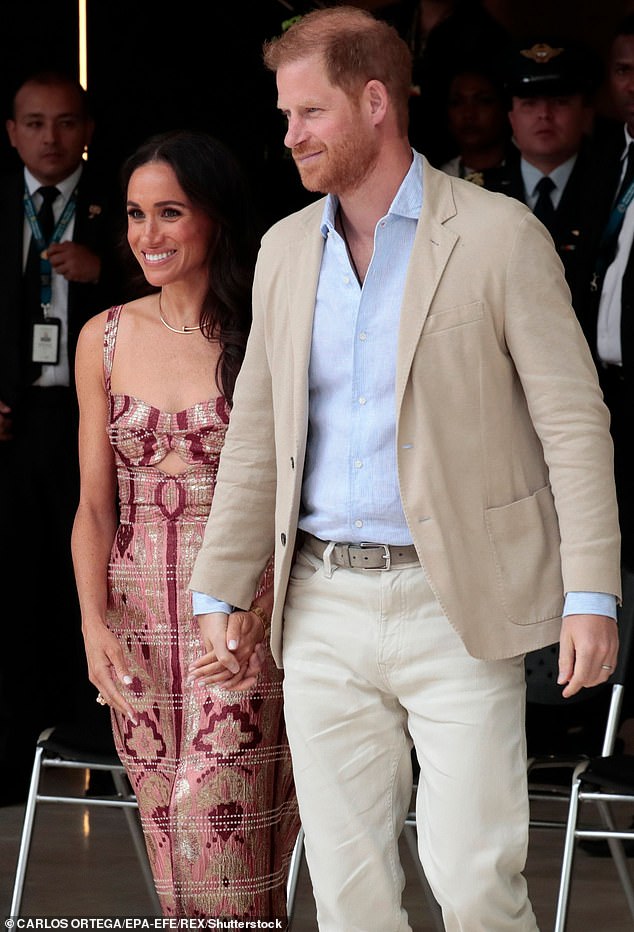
60 373
609 318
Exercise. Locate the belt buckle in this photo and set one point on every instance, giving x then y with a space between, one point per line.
367 545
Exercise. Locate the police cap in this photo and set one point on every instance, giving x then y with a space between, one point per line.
550 68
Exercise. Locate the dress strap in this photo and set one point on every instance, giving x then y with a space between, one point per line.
109 340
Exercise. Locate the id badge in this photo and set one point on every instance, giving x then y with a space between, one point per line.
46 341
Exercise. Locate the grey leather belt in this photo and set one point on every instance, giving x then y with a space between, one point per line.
363 556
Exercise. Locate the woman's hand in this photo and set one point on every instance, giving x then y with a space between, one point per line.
234 651
107 667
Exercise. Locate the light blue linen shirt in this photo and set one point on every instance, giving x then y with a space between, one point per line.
350 486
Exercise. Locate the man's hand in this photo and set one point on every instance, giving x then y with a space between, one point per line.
588 651
74 261
234 654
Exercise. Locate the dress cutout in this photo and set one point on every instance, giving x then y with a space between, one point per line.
211 768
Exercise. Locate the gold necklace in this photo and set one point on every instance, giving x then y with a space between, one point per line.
169 326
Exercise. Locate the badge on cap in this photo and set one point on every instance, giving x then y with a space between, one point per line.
541 53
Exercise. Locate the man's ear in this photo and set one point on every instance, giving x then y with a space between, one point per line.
10 127
377 98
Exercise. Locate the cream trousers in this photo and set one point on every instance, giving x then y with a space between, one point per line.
371 665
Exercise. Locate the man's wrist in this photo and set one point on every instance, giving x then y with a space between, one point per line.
590 603
259 611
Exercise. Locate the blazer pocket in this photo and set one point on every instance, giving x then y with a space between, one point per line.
453 317
525 544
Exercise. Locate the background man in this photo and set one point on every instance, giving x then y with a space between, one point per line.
606 298
49 289
550 86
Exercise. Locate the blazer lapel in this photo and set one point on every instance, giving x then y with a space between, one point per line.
433 245
303 263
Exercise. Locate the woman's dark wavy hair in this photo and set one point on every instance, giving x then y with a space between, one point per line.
213 182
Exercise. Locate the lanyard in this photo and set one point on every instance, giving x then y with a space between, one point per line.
41 244
607 245
616 215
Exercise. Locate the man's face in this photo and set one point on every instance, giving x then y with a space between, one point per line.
476 113
549 130
49 131
331 140
621 78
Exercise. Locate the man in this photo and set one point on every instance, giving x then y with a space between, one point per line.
479 126
48 292
550 87
442 35
607 298
415 377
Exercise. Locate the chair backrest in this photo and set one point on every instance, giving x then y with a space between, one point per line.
598 707
542 669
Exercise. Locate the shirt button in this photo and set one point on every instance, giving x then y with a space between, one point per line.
362 400
346 279
358 523
358 464
363 335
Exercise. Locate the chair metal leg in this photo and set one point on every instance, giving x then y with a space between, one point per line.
27 832
138 839
563 899
411 836
618 855
128 804
293 874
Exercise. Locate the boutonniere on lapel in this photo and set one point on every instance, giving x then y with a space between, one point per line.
93 211
475 178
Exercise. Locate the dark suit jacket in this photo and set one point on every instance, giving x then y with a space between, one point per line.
39 476
97 212
605 171
617 384
570 226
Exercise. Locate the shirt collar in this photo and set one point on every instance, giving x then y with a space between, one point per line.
407 202
65 187
531 176
628 140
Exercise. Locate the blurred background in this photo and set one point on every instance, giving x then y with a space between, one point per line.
156 66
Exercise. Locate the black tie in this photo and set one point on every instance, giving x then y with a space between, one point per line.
544 209
610 237
32 281
45 216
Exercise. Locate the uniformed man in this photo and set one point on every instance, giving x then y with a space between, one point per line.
550 86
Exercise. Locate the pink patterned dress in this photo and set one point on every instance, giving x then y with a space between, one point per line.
210 767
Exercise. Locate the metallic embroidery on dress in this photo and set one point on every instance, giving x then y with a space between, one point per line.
211 768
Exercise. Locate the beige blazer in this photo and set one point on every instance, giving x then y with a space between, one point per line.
504 452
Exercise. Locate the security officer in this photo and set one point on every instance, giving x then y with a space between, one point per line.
550 85
606 303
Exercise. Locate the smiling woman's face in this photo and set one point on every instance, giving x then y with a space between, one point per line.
169 237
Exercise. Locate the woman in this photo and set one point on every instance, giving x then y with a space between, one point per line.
478 124
210 765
